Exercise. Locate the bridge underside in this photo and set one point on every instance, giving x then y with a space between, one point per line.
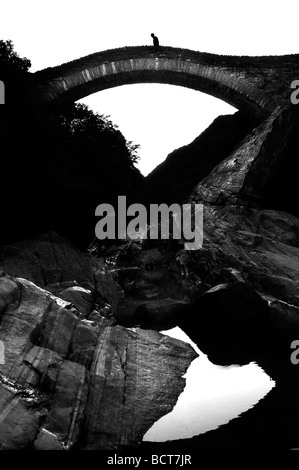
204 85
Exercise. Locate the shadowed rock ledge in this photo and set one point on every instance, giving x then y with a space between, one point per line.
77 380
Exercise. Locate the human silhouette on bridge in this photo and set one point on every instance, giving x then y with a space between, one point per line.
155 41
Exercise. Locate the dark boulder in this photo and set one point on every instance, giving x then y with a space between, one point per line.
227 323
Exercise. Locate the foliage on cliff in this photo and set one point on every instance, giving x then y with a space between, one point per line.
57 164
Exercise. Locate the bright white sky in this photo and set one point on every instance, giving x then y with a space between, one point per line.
158 117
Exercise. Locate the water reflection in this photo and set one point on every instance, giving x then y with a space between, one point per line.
213 395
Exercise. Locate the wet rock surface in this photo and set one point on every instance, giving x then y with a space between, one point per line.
71 377
122 371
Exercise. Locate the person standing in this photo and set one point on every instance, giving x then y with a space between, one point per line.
155 41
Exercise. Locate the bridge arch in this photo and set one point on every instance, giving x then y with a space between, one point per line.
255 85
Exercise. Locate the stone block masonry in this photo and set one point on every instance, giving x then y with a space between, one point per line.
255 85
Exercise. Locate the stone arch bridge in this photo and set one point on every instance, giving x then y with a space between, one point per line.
255 85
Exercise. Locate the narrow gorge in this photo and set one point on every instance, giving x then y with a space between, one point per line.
88 360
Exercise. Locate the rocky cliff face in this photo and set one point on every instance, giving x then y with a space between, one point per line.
72 378
86 366
249 265
174 179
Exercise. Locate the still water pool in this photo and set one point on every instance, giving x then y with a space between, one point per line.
213 395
